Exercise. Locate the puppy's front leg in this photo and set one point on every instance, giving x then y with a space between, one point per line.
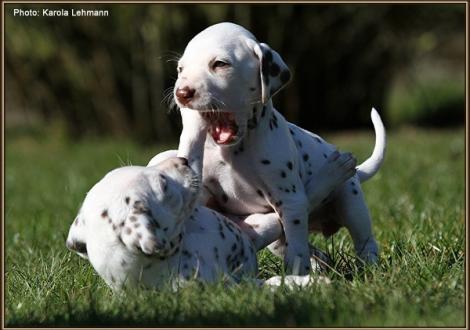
294 217
283 189
192 139
291 205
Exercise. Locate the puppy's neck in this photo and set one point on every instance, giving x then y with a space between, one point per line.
263 119
260 114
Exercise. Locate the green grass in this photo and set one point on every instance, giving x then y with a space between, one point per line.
416 201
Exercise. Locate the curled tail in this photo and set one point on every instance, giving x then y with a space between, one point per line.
370 166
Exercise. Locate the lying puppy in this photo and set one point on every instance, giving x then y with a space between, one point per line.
255 162
140 225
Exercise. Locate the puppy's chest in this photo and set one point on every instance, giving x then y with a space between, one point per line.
234 185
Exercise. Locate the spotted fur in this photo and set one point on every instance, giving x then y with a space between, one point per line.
154 235
269 141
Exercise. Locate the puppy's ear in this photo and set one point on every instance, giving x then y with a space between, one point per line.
274 73
76 240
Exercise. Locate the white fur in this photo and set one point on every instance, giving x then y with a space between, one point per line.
371 166
139 226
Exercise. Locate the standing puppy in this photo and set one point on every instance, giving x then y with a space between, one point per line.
255 162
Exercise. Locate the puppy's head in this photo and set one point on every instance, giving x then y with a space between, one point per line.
141 209
225 73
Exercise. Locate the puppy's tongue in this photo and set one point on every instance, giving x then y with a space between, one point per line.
223 133
223 127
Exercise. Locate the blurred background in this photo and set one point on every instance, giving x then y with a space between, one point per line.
106 76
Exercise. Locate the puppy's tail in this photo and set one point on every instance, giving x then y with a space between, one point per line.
368 168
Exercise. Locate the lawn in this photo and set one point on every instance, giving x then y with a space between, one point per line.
416 201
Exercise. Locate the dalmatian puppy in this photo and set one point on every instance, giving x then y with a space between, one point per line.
140 225
255 161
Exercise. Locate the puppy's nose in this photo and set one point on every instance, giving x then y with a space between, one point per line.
185 94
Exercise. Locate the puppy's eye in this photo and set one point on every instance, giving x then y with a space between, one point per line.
179 69
219 64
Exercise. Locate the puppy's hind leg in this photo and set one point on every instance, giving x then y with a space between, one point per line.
263 229
338 168
354 215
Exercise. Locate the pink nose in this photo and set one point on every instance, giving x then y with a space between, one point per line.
185 94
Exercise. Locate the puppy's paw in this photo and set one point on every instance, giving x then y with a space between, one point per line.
139 232
370 258
138 235
369 253
297 261
295 281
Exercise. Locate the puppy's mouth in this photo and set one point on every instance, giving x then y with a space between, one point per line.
222 127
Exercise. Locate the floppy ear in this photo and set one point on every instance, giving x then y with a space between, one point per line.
274 73
76 240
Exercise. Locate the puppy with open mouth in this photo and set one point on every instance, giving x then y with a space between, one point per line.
256 162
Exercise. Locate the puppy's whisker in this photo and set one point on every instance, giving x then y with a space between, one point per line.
167 95
169 99
170 56
173 107
252 102
219 102
217 106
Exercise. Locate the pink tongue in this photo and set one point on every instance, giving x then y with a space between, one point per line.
222 134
